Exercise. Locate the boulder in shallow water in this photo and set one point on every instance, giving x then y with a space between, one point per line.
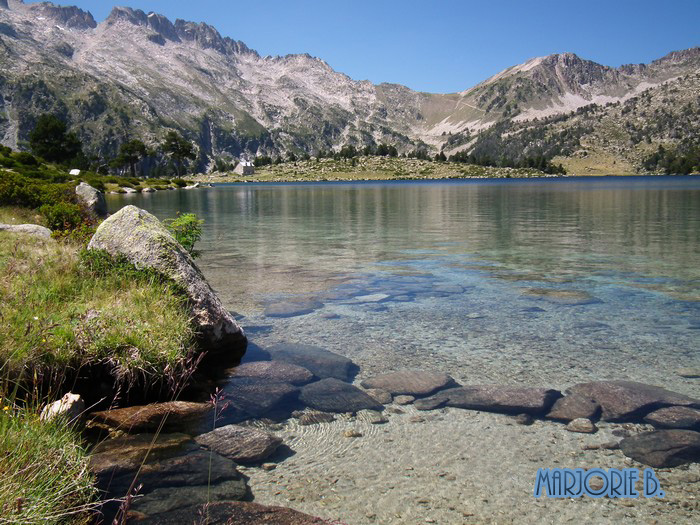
333 395
147 243
663 448
573 407
256 397
493 398
274 371
410 382
630 401
675 417
148 418
322 363
228 513
241 444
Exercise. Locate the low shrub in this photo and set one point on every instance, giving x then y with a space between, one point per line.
187 229
180 183
26 158
62 215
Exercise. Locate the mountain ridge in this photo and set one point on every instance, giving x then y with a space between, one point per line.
137 74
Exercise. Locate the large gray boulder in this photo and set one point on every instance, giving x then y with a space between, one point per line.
92 198
147 243
29 229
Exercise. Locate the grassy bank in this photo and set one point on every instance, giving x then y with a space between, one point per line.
44 471
63 308
369 168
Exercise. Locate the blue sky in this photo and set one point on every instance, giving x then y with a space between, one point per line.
440 45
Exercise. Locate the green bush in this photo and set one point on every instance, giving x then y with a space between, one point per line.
187 229
62 215
180 183
26 158
6 162
17 190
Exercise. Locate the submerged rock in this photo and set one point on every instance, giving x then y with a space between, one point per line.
573 407
629 401
256 397
663 448
92 198
315 417
148 418
274 371
493 398
333 395
410 382
292 308
168 499
322 363
380 395
227 513
29 229
582 425
126 453
241 444
675 417
146 243
566 297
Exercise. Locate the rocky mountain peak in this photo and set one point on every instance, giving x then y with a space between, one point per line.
203 34
158 23
72 17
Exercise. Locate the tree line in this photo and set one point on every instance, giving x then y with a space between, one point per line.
51 141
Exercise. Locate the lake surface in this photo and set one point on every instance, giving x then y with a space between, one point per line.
546 283
472 272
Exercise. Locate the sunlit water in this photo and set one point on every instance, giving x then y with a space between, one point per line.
469 269
536 283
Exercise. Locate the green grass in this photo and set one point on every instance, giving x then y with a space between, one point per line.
17 215
44 471
60 309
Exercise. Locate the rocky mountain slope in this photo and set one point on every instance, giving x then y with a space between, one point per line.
137 75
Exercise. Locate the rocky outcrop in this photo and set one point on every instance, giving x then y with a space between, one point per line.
148 418
663 448
145 242
630 401
70 17
227 513
333 395
28 229
410 382
70 407
320 362
92 198
493 398
241 444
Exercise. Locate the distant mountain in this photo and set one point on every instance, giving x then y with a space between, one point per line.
138 74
